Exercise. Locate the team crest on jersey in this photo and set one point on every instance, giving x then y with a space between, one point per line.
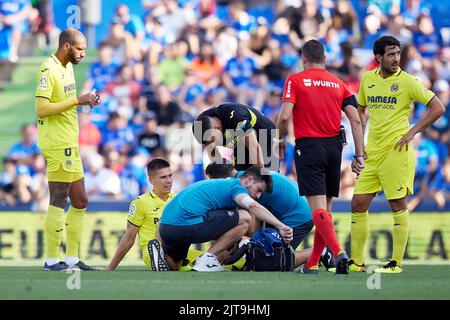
132 210
69 163
43 83
394 87
241 124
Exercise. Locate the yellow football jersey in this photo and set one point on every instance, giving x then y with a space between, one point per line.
57 83
145 212
390 102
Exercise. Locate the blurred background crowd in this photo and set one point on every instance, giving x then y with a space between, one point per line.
159 67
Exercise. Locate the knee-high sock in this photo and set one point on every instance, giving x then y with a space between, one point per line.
54 226
400 235
74 229
318 246
324 225
359 235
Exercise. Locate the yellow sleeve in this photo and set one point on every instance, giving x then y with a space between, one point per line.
136 213
419 92
361 96
44 83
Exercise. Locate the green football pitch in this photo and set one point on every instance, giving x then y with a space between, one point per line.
417 282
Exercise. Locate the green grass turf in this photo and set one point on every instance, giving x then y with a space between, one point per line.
418 282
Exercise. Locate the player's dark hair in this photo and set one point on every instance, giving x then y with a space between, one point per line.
313 51
155 165
219 170
379 46
259 175
200 126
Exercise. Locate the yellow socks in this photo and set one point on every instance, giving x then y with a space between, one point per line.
400 235
54 226
359 236
74 230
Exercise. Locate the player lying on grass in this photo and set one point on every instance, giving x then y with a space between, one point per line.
285 203
144 215
206 211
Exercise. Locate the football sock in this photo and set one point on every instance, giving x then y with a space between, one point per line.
400 235
318 248
359 235
54 225
324 225
74 230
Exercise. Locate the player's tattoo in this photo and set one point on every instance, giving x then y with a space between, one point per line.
58 193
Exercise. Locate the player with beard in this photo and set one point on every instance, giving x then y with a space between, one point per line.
56 106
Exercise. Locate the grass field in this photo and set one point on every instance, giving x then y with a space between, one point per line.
417 282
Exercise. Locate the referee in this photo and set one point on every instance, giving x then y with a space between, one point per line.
56 108
314 98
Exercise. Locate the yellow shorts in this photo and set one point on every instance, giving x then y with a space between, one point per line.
391 171
191 256
63 165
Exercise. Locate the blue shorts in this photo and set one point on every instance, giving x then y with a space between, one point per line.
176 240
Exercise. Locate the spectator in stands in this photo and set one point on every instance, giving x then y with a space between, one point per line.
89 137
276 68
40 195
117 135
239 70
225 43
133 178
154 41
166 110
13 17
114 161
175 19
23 151
240 20
206 67
191 95
132 23
332 45
150 138
272 104
123 46
259 43
7 196
427 40
101 183
439 131
171 70
385 7
207 8
427 161
345 21
124 91
42 23
413 9
440 189
396 28
103 70
372 29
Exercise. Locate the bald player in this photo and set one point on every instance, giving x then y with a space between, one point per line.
56 107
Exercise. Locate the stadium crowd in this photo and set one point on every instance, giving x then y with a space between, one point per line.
159 68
